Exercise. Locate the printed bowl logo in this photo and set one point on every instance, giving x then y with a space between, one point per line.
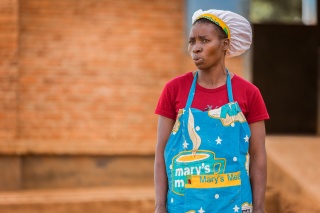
186 165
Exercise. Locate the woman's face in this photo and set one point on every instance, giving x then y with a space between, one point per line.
206 48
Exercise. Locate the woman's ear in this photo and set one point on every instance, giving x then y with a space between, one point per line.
226 43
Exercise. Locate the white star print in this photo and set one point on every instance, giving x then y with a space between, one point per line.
201 210
218 140
246 139
236 208
185 144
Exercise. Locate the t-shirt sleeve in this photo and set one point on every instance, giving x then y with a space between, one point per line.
257 110
165 106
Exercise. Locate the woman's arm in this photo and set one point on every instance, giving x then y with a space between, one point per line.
165 126
258 165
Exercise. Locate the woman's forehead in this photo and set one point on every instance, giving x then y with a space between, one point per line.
201 29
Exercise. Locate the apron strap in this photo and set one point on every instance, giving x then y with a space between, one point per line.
193 89
229 87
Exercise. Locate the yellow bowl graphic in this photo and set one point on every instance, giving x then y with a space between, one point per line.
192 158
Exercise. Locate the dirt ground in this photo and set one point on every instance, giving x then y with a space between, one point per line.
293 173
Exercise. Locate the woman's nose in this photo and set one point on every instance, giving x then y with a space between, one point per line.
197 48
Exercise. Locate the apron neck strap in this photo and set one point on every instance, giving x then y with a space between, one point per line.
193 89
229 87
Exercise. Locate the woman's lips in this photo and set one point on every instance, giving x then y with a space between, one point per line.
197 60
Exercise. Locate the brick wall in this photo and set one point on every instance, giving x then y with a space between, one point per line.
90 72
8 68
93 70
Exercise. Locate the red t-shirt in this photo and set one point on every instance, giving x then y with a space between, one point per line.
175 94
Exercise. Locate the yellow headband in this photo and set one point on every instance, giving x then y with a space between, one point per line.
216 21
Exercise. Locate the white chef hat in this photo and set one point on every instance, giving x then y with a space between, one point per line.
236 27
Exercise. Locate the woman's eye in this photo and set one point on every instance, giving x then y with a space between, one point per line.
191 41
205 40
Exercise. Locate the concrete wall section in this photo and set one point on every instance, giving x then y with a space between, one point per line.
10 173
50 172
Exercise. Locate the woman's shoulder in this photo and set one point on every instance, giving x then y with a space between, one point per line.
244 84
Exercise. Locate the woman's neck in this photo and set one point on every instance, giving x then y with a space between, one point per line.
212 78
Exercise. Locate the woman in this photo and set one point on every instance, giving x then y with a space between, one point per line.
211 123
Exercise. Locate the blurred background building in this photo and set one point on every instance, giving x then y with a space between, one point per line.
80 79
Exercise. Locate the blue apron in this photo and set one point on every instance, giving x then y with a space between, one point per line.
207 159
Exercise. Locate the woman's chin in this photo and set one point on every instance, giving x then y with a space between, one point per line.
200 66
